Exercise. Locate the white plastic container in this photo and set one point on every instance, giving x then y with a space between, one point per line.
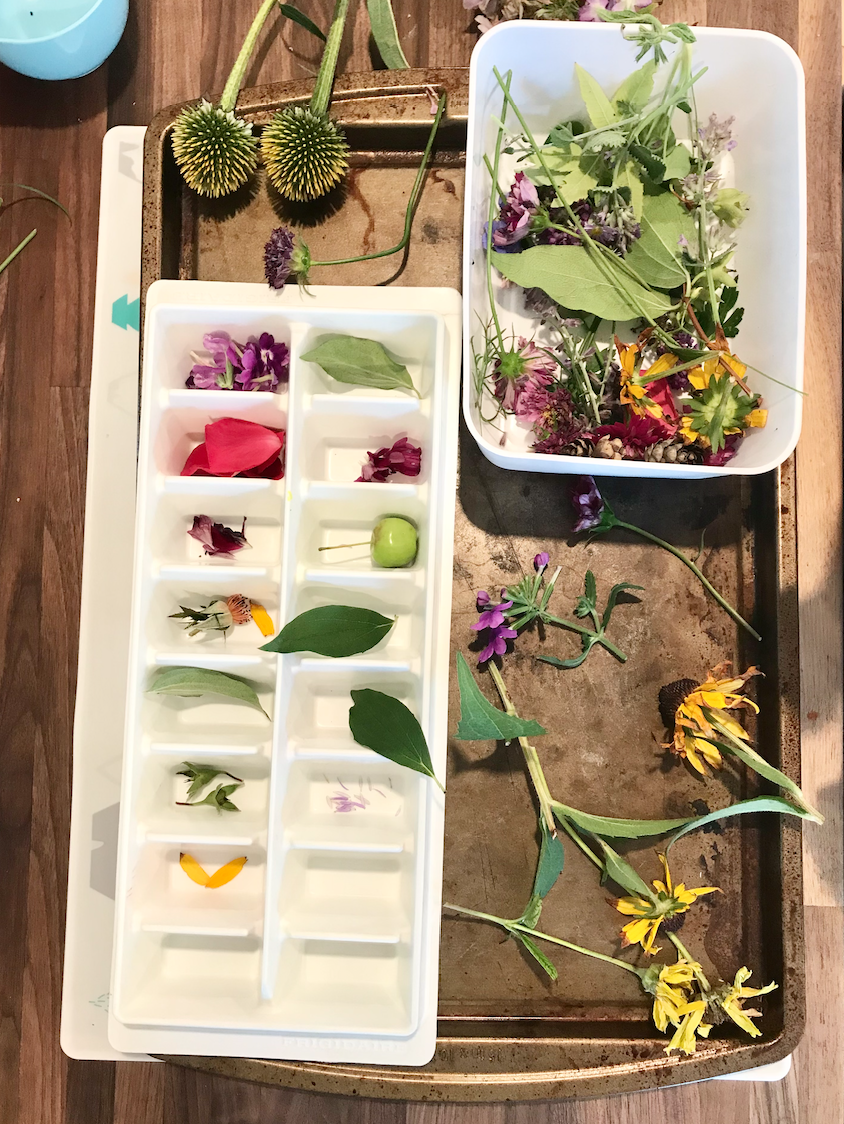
753 76
325 946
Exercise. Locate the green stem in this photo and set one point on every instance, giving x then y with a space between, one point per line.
20 246
722 601
325 79
530 755
599 635
491 216
413 200
515 926
235 80
574 835
684 952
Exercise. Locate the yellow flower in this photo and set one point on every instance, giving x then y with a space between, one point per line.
648 915
691 1024
699 376
631 394
757 419
671 989
702 714
731 999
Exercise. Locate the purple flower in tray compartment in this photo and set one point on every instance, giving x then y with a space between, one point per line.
225 361
216 537
401 456
264 365
587 502
493 622
346 802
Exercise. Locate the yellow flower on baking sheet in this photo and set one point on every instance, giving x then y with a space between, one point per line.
730 997
691 1025
671 986
699 713
649 913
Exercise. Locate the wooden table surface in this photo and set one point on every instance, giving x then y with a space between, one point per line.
50 135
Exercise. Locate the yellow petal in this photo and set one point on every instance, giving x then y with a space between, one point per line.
262 618
699 378
664 862
193 870
757 419
632 907
664 363
226 873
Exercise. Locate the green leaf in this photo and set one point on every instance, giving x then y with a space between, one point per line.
591 588
201 775
636 89
609 138
480 720
649 161
537 953
678 163
386 36
193 682
619 870
572 180
531 912
360 362
572 277
303 21
588 644
550 865
613 597
628 177
332 630
385 725
618 828
598 105
218 799
655 256
742 808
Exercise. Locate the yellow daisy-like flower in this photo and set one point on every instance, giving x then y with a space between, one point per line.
691 1025
731 999
700 715
631 393
648 915
700 377
671 988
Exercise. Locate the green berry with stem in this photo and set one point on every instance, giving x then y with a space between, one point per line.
394 543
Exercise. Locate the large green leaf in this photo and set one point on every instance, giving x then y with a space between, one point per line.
550 866
617 828
598 105
678 162
193 682
480 720
742 808
360 362
636 89
655 256
572 180
572 277
619 870
386 36
332 630
384 724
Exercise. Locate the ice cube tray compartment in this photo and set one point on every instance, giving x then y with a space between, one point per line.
329 933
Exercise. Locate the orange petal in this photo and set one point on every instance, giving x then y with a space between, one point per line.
193 870
262 618
226 873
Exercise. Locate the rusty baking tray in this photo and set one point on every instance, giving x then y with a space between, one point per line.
505 1032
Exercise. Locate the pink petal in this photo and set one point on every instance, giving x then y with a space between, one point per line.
235 445
197 462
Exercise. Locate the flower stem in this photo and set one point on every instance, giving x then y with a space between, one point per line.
235 79
345 545
491 214
18 249
413 200
581 843
517 927
722 601
530 755
599 635
325 79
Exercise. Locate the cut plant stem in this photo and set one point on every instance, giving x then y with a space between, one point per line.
345 545
530 755
20 246
684 952
235 79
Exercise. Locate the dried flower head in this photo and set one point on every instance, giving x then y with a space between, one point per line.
215 149
216 538
700 719
649 913
305 153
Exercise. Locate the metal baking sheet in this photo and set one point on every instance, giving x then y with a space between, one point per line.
505 1032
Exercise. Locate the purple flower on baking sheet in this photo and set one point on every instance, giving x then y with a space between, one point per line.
278 257
493 622
588 503
540 561
217 539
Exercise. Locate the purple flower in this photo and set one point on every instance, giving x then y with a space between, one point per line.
217 538
264 364
401 457
540 561
519 207
278 253
493 621
716 136
587 502
346 802
225 360
483 599
522 367
589 10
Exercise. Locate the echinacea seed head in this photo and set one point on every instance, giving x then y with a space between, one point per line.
305 153
215 150
671 696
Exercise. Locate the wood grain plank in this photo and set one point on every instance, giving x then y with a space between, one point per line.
139 1093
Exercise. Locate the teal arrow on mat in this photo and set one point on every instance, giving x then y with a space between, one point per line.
126 315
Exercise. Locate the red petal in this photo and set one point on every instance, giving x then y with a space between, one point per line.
197 462
235 445
660 392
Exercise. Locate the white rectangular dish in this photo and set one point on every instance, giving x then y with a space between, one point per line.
325 946
751 75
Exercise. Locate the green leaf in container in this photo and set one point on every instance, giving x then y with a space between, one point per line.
572 277
635 91
599 107
384 724
193 682
360 362
332 630
655 256
481 721
386 36
678 163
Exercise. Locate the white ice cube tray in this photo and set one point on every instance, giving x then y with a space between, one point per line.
325 946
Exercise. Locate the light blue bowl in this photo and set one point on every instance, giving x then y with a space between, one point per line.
58 39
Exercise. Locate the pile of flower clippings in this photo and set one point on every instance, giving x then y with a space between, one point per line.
621 236
491 12
261 364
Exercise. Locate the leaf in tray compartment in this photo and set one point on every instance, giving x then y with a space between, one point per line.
480 720
575 278
332 630
218 799
193 682
360 362
386 726
201 775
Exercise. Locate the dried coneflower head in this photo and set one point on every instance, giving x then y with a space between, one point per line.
305 153
214 149
670 698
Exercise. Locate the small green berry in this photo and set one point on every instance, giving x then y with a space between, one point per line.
394 542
